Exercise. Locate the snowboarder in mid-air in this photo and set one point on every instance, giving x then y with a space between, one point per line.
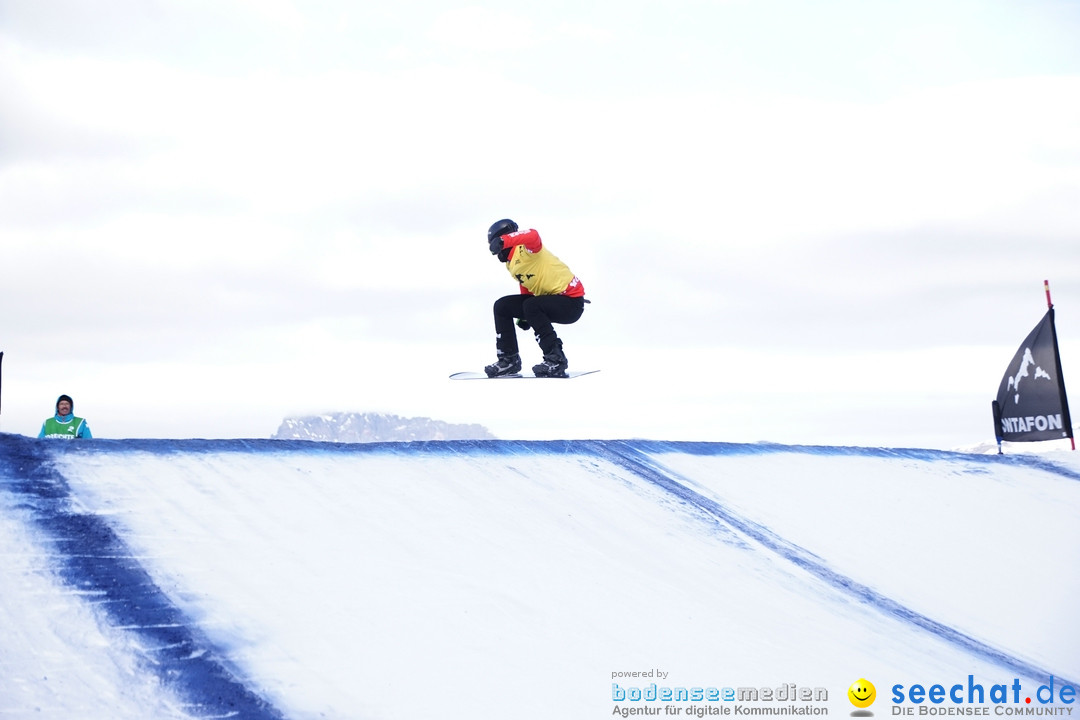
550 293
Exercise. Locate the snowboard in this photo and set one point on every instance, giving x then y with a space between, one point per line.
518 376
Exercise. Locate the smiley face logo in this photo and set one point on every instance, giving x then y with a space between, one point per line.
862 693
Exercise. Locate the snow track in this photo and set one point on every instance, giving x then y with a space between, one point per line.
90 559
269 579
630 457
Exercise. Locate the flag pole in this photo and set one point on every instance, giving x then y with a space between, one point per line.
1050 305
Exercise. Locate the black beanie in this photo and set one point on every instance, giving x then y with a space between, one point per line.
68 398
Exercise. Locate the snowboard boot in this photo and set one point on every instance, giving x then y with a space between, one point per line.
509 364
554 364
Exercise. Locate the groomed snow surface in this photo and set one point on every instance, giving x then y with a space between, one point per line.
489 579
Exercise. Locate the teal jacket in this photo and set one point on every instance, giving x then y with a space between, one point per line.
65 427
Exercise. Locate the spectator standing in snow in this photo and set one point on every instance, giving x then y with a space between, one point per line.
549 293
64 425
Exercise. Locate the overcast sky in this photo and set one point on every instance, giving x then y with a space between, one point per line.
808 222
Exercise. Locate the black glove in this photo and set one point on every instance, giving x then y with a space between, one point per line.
523 324
496 245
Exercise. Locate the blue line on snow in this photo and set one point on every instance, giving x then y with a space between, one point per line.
554 447
92 559
628 456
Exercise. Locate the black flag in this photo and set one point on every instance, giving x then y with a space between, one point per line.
1031 403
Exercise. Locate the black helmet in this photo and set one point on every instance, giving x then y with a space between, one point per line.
500 228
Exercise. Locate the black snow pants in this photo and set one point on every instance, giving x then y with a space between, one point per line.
540 311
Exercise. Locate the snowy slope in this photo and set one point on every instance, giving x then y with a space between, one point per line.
481 579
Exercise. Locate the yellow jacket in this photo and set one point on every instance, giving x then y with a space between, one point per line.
536 269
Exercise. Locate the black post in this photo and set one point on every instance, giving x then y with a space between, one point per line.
997 423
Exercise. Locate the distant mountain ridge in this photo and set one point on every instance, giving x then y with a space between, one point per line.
375 427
